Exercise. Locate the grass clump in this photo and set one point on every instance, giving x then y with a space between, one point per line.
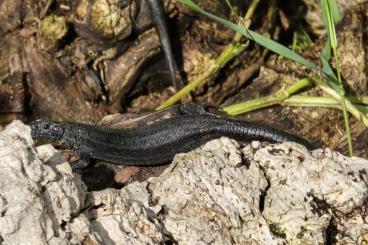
329 79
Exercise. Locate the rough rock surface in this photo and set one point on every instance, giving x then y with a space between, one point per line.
35 199
218 193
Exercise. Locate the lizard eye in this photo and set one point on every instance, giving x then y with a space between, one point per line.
46 127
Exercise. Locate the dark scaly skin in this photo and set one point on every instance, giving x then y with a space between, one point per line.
159 19
158 142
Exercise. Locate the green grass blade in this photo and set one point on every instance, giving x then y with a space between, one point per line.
331 16
334 11
329 22
324 11
332 32
261 40
326 52
280 49
330 76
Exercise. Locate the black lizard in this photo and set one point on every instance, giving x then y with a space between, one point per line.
155 143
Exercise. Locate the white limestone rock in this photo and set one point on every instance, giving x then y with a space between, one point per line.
35 198
124 220
210 196
47 204
218 193
309 193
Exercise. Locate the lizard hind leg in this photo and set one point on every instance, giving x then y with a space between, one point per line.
201 109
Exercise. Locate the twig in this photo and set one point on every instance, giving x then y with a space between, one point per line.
319 101
349 105
267 101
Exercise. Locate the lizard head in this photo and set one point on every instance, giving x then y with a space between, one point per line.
47 130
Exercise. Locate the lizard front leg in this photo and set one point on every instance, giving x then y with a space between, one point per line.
83 163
